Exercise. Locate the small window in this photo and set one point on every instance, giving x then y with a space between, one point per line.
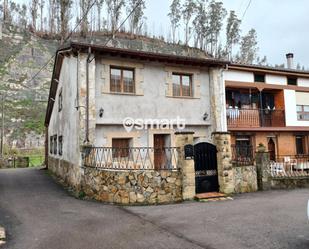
60 101
51 144
302 112
292 81
55 144
182 85
300 145
259 77
121 147
60 145
122 80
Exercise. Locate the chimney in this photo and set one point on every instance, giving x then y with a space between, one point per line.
289 58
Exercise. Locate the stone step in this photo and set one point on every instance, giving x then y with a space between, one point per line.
209 195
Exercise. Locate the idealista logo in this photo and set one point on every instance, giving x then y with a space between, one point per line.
142 124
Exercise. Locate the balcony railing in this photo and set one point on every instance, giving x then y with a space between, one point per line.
254 118
242 155
290 166
133 158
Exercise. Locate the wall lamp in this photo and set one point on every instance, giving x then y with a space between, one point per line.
101 112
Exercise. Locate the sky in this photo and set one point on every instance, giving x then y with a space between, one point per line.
281 25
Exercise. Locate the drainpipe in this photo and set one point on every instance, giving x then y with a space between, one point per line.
87 96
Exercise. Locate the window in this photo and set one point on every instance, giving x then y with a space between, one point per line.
121 147
243 148
182 85
51 144
302 112
60 142
259 77
122 80
55 144
300 145
292 81
60 101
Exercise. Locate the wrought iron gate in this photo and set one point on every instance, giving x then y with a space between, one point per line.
206 170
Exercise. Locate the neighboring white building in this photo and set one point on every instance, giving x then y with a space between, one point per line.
270 106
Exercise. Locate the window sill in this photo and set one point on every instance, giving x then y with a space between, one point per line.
126 94
181 97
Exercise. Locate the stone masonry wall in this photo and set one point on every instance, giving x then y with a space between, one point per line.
67 172
245 179
133 187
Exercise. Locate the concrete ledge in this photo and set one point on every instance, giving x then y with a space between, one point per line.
2 236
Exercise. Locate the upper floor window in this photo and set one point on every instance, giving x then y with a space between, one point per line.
122 80
60 101
292 81
302 112
259 77
182 85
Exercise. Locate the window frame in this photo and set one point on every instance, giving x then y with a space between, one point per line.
259 75
121 79
302 112
181 86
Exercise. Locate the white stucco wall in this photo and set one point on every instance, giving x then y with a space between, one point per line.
240 76
154 103
275 79
303 82
290 109
66 122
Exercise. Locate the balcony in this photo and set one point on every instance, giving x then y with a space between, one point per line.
254 118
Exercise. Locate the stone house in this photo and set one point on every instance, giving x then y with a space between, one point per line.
113 121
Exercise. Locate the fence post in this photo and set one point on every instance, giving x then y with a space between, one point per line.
186 165
222 140
262 163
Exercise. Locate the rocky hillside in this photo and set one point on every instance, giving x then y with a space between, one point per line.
25 97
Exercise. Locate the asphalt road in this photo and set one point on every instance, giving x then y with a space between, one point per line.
38 213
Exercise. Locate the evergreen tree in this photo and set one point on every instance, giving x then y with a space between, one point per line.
188 10
137 18
248 47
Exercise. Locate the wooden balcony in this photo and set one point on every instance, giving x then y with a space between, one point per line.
254 118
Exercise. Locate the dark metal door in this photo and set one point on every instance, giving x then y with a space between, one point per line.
206 170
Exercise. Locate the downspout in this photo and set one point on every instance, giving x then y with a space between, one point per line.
87 96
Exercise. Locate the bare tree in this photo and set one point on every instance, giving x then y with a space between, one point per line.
216 14
99 4
84 7
187 14
114 8
201 26
137 17
232 33
248 47
174 15
42 2
52 14
65 7
34 12
5 10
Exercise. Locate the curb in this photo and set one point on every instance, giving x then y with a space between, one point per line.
2 236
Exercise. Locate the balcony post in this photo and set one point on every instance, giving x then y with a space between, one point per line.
261 109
